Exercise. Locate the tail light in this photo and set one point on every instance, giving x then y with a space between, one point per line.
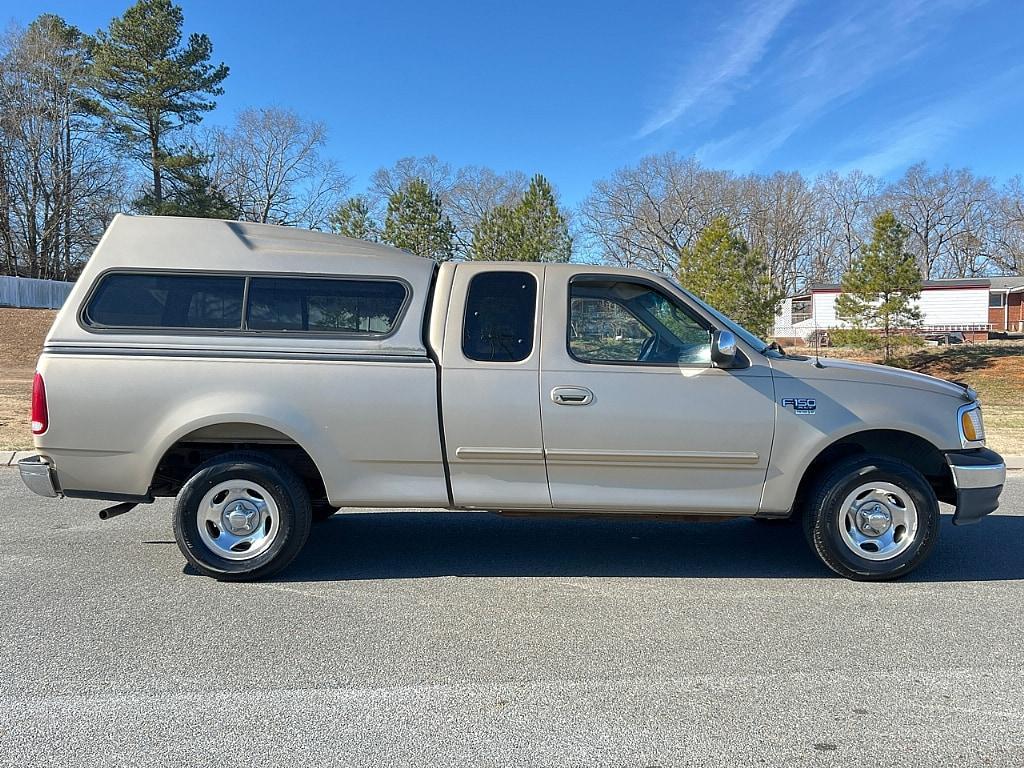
40 418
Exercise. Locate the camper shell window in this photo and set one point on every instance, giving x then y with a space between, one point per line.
154 300
268 304
324 305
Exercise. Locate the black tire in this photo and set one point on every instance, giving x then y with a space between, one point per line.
294 515
824 515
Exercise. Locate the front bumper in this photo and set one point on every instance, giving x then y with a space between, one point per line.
39 475
978 478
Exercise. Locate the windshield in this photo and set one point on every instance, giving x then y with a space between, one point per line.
757 343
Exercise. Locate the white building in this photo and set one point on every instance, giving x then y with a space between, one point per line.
945 305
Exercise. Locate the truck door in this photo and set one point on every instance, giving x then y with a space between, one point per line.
490 363
634 415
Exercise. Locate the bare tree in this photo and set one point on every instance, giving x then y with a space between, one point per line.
437 175
474 192
969 252
926 203
779 217
1008 227
959 225
466 193
648 215
59 185
844 208
271 166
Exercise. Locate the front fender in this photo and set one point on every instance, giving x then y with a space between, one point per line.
844 409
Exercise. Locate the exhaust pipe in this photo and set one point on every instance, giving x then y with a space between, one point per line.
117 509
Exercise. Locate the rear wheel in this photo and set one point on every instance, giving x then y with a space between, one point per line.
242 516
872 518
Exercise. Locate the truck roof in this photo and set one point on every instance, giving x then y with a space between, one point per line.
167 242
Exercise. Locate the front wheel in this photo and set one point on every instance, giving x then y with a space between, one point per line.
872 518
242 516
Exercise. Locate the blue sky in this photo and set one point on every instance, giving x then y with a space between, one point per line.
575 90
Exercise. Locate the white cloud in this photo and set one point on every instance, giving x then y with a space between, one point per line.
815 76
913 138
739 46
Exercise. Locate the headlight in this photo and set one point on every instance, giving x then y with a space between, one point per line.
972 428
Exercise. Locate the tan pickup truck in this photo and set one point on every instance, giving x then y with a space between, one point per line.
267 376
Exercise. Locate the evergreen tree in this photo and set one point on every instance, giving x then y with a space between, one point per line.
415 221
498 236
532 230
188 191
352 219
544 229
150 84
882 283
723 271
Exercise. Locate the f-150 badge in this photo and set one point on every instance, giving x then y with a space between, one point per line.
802 406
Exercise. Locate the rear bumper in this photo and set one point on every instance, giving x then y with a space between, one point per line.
978 477
38 474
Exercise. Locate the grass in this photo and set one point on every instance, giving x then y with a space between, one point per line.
996 371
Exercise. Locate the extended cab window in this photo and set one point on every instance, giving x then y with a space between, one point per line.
500 307
324 305
618 321
148 300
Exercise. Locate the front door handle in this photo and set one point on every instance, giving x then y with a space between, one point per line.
571 396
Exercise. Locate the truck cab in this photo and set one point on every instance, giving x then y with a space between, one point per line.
267 376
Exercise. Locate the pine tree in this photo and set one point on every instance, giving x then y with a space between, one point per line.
188 191
150 84
498 236
352 219
534 229
416 221
882 283
723 271
544 229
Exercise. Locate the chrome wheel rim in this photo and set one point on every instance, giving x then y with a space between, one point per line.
878 521
238 519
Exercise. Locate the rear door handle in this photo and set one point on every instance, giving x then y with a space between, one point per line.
571 396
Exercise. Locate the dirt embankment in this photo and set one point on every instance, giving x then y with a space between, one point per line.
21 340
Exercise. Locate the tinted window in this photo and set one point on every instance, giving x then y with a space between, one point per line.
324 305
614 321
500 307
167 301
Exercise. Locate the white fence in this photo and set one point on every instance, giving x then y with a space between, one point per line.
29 292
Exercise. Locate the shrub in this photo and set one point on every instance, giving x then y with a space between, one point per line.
908 340
857 338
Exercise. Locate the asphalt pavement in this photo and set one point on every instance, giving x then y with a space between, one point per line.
432 638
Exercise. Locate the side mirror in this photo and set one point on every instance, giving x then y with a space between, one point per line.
723 349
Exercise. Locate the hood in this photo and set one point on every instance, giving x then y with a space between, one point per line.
868 373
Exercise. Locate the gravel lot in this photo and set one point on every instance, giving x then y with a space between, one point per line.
465 639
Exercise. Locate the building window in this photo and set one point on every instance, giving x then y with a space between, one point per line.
996 300
802 310
500 309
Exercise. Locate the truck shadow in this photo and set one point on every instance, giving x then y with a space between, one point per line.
410 545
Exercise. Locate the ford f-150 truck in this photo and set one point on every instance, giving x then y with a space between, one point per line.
267 376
